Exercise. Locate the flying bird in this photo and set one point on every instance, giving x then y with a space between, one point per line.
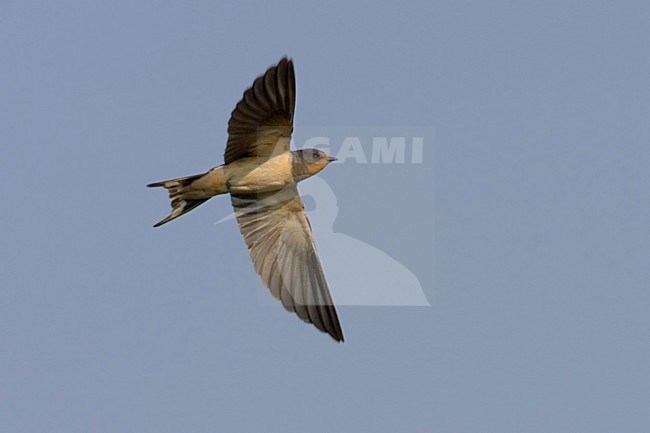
260 172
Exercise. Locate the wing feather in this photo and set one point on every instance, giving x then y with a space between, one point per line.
263 120
281 245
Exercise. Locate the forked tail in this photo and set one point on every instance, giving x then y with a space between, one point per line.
177 188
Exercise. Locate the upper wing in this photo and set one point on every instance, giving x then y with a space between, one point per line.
262 122
280 242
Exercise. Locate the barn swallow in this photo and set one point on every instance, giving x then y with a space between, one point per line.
260 172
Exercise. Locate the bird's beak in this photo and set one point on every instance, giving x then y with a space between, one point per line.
332 159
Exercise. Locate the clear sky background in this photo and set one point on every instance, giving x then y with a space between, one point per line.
526 224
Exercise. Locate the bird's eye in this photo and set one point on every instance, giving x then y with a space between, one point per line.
314 154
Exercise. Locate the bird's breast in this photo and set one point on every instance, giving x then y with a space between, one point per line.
251 175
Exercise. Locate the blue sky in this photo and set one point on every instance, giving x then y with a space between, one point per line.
526 224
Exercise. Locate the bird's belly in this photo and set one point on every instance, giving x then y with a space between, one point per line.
251 175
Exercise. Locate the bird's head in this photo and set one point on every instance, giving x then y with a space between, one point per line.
308 162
